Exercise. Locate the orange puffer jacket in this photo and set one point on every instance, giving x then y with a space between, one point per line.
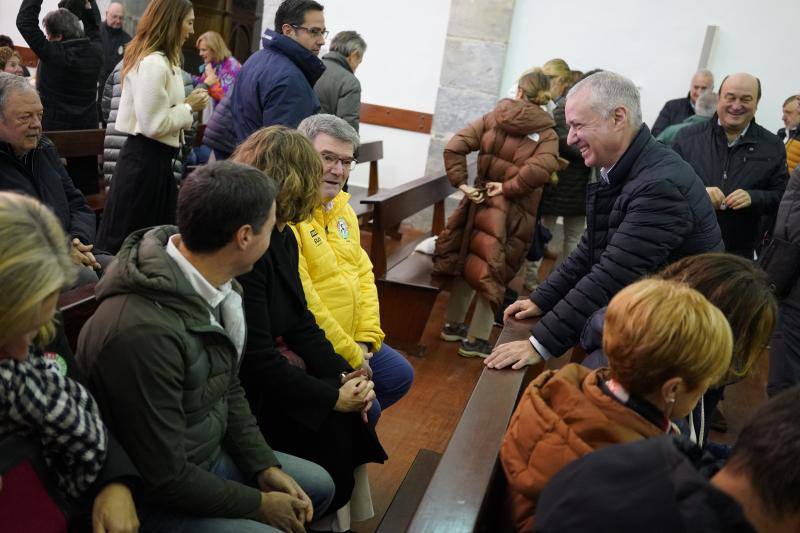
562 416
519 148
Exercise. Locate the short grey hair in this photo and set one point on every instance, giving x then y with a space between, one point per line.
10 83
329 125
706 73
347 42
64 23
608 91
706 104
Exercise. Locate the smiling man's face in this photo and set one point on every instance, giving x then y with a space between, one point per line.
336 155
738 102
21 126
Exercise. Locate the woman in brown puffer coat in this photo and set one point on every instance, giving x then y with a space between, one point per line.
518 153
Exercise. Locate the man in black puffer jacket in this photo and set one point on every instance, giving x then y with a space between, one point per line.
742 165
648 209
784 349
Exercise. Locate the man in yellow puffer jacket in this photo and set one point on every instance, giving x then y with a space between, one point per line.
336 272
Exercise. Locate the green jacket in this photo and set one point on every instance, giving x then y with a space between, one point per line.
668 135
166 379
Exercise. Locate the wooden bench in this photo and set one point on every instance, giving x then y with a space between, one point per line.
463 489
406 288
76 307
83 143
371 152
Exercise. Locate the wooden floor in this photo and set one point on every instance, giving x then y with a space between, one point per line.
443 382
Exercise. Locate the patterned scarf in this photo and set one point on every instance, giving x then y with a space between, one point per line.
37 400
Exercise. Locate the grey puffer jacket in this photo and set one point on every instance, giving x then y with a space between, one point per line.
787 225
112 91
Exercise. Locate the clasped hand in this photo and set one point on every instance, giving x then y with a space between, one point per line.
355 394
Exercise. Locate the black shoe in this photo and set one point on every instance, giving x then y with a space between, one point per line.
454 332
476 348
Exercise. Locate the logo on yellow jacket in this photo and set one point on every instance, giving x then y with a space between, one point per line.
341 227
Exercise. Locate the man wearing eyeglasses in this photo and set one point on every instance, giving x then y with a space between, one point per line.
337 273
276 84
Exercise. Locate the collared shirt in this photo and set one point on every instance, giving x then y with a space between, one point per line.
225 298
605 171
738 137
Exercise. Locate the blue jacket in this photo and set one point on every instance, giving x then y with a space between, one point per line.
275 86
653 211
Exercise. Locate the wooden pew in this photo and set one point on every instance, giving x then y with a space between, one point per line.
371 152
464 488
83 143
76 307
406 288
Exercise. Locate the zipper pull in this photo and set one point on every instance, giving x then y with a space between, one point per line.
724 175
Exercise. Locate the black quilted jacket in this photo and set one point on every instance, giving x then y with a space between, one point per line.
653 211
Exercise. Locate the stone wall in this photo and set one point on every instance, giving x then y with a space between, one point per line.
475 53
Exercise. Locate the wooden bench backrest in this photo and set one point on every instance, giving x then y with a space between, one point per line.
391 207
371 152
459 496
76 307
78 143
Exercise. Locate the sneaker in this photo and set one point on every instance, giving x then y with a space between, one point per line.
454 332
476 348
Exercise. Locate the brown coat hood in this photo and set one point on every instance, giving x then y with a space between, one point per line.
519 117
561 417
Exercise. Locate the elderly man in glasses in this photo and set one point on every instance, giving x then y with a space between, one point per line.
276 85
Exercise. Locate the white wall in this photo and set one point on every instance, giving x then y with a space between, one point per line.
405 47
10 8
658 44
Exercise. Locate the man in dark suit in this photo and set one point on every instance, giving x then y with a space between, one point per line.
677 110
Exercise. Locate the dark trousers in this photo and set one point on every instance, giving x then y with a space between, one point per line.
143 191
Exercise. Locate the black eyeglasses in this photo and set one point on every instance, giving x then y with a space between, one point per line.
315 32
331 160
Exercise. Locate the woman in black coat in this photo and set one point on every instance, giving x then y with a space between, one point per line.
317 412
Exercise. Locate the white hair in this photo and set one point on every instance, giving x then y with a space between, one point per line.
706 73
608 91
11 83
706 104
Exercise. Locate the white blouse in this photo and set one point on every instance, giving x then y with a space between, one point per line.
152 101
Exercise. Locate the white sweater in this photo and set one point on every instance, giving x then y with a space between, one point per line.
152 101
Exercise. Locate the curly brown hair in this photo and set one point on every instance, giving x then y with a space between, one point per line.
288 158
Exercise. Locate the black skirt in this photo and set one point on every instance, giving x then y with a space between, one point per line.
143 191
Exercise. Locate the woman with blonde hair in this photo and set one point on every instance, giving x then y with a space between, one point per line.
154 110
220 68
567 197
666 344
39 403
10 61
314 407
487 237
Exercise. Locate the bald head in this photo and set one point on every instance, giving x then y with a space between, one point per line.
702 81
115 15
738 101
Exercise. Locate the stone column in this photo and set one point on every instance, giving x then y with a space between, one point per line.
474 57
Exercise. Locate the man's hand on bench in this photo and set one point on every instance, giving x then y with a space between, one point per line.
518 354
522 309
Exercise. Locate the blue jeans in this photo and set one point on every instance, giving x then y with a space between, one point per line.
392 375
314 480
